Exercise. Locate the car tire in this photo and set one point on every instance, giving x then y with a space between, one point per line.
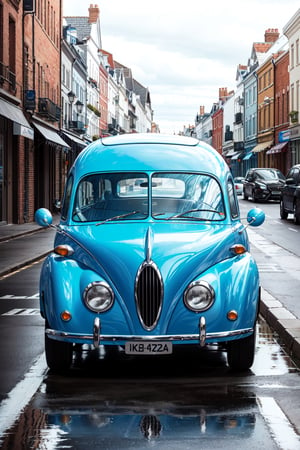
58 355
240 353
283 213
297 212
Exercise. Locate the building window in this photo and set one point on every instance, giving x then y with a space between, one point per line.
297 52
292 56
12 45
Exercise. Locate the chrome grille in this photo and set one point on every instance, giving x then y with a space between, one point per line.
149 293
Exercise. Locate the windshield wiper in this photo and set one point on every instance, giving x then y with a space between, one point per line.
121 216
183 214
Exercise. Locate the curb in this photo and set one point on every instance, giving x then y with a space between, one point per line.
23 265
283 322
10 237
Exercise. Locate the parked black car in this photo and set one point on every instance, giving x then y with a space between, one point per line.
263 184
290 195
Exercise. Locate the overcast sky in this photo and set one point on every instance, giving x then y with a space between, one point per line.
184 51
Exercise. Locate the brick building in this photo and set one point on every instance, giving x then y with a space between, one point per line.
16 133
31 151
278 155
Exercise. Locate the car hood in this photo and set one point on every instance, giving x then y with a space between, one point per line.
270 183
116 251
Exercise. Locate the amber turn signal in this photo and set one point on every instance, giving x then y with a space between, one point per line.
65 316
64 250
232 315
238 249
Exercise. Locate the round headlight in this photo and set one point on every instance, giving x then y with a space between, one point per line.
98 296
199 296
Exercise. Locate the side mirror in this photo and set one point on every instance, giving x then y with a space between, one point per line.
43 217
255 217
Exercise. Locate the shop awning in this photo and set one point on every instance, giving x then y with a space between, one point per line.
262 146
51 135
232 154
236 156
248 156
15 114
277 148
75 139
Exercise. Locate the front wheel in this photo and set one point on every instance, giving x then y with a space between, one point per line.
283 213
58 355
254 197
240 353
297 212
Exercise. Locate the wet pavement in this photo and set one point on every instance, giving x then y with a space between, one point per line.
190 400
120 403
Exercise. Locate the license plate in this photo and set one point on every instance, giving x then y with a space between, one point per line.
275 192
148 348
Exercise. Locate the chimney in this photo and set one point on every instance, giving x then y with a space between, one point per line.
271 35
202 108
93 13
222 93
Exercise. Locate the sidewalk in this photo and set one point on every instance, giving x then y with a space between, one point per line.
24 244
21 245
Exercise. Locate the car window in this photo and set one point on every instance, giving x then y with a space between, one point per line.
186 196
103 196
270 174
234 209
106 196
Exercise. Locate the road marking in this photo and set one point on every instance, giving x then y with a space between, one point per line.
20 297
270 268
293 229
281 428
21 394
22 312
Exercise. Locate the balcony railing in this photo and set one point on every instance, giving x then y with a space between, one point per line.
8 76
77 125
49 109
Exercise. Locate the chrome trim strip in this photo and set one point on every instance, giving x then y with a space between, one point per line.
148 245
150 338
202 328
96 332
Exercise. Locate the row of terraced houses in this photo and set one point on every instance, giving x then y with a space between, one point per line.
257 124
59 91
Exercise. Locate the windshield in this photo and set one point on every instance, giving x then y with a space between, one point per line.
104 197
270 174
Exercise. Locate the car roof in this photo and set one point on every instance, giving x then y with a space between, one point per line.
149 152
147 138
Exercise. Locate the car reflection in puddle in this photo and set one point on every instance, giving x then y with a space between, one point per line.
113 403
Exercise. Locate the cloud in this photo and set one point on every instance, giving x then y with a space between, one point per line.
184 51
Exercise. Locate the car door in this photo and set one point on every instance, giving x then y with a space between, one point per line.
248 184
289 190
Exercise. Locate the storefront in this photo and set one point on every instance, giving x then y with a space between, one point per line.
295 145
16 142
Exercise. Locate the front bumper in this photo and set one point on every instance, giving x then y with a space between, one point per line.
96 338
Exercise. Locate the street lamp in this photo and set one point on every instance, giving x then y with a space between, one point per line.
71 97
79 106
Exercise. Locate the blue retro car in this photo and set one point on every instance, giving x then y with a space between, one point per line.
150 253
